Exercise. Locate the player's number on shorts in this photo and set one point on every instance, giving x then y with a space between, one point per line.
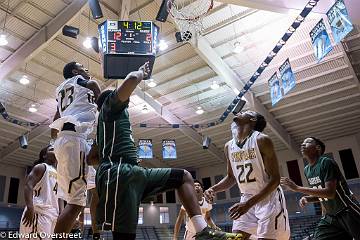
66 97
245 172
55 188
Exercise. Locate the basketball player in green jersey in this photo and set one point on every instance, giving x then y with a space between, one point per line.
122 184
328 186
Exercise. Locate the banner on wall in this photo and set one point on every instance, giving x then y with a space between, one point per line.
169 149
145 149
274 88
339 21
287 76
320 40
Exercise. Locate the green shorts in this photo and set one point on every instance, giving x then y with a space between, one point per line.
121 189
344 226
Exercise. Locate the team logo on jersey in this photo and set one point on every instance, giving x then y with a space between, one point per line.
314 180
243 155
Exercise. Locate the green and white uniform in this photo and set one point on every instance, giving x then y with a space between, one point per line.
120 182
342 214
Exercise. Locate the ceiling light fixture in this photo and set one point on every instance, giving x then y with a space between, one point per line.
151 83
214 85
32 109
163 45
145 109
24 80
199 110
3 40
236 91
87 43
238 48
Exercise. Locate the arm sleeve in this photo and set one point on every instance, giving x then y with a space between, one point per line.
330 170
113 107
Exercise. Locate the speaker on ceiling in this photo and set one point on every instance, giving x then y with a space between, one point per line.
206 142
163 12
95 9
239 106
70 31
23 141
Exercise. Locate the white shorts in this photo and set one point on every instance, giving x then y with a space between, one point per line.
70 151
267 219
41 228
91 178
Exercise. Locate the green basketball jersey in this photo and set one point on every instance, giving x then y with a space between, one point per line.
324 170
114 134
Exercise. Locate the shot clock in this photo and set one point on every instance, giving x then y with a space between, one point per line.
126 45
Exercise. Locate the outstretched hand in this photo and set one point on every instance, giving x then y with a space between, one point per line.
238 209
145 69
209 195
28 217
284 181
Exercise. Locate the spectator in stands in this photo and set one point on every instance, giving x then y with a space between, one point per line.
328 186
205 211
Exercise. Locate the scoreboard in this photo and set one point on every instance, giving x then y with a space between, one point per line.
126 45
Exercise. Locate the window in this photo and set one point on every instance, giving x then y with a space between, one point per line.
2 187
234 191
294 171
207 182
164 215
13 190
141 216
159 198
87 217
348 163
220 195
170 197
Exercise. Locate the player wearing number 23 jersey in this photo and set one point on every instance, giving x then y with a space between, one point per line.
76 114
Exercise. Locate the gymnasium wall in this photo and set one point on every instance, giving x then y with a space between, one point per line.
9 172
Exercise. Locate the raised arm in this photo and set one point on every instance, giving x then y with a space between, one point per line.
179 220
31 180
131 81
227 182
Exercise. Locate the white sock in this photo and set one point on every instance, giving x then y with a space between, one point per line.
198 222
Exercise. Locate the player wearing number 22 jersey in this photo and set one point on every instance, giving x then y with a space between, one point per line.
74 121
252 164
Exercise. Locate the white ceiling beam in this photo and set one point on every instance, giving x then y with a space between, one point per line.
41 39
171 118
203 48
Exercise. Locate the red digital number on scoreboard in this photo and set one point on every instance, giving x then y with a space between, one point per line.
117 36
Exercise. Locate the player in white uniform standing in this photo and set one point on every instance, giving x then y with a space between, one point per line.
42 206
73 122
205 211
252 164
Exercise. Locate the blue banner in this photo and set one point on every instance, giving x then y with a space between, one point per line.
274 88
287 76
320 40
339 21
145 149
169 149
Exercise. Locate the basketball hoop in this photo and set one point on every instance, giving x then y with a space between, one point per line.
189 15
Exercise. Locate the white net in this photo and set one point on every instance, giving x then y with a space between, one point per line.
189 14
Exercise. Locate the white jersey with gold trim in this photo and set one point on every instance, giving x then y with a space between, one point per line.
247 165
76 104
45 200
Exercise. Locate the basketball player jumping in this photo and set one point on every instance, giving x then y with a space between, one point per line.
73 122
328 186
252 163
205 211
42 205
121 183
